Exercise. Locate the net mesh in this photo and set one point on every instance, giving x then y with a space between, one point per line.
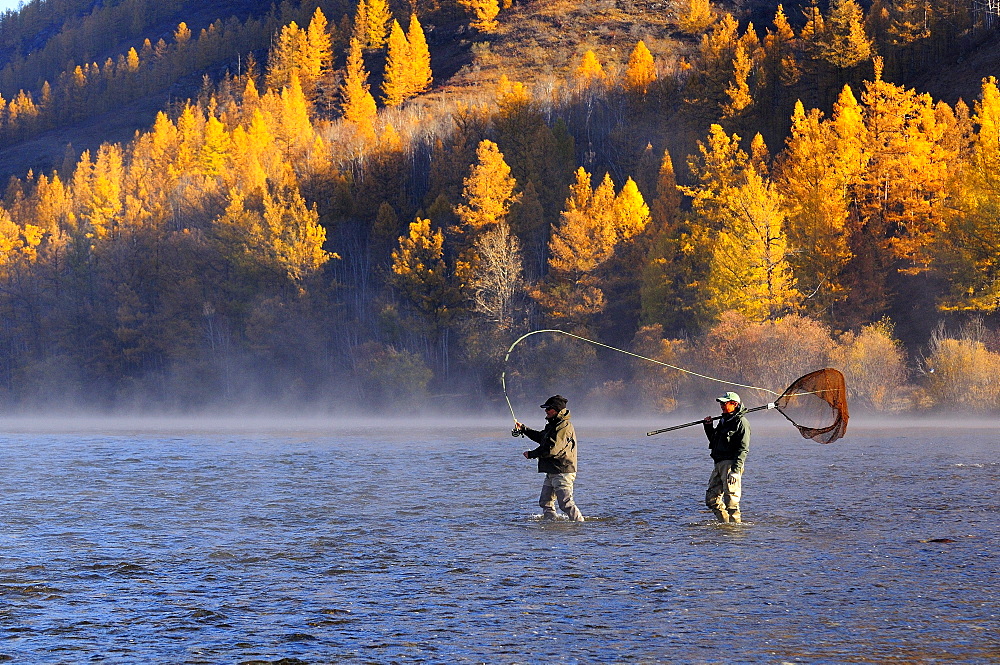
817 405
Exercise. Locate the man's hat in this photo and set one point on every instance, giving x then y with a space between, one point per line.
557 402
728 397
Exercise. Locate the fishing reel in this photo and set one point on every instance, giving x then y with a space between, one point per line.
516 432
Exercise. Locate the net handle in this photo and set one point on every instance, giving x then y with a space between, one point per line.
769 405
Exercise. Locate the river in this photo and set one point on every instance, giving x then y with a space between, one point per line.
324 541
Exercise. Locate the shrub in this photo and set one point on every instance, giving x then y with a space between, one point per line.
962 372
769 355
874 366
656 387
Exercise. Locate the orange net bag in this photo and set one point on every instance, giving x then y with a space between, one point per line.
817 405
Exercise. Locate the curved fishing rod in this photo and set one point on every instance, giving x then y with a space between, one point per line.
503 374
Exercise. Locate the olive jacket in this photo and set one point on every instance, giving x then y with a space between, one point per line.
729 439
556 451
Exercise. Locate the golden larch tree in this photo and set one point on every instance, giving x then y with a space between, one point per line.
640 72
421 76
396 78
589 71
488 191
483 12
357 104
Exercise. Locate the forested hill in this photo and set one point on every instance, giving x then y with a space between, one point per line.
330 203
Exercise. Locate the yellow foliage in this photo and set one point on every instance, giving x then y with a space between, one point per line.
420 274
695 16
484 13
420 75
641 69
295 234
874 366
489 189
357 104
631 214
589 70
962 373
396 84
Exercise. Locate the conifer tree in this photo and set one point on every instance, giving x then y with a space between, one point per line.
357 104
847 44
378 16
813 180
420 274
695 16
972 256
420 76
589 70
488 192
396 81
641 69
814 34
740 210
283 59
295 235
484 13
779 45
739 88
316 67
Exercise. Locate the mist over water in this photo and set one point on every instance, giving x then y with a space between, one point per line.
322 540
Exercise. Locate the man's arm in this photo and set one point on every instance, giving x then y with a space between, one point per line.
742 434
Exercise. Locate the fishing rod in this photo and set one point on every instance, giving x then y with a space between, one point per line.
822 388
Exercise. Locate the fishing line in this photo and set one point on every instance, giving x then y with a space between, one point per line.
503 374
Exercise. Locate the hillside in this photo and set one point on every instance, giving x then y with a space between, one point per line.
538 42
310 220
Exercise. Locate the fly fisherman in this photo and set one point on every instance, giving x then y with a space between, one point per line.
729 442
556 455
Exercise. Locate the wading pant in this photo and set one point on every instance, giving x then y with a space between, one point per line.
559 486
723 496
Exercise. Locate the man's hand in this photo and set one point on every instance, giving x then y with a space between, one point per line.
733 478
708 419
527 454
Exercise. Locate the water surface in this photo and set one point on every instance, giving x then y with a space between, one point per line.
331 543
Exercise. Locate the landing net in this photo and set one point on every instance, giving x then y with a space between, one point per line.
817 405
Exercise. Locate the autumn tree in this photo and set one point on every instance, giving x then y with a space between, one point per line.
847 44
374 24
640 71
396 84
590 71
357 104
420 274
483 12
971 255
814 172
421 75
695 16
742 211
488 192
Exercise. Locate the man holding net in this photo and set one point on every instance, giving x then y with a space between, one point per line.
729 443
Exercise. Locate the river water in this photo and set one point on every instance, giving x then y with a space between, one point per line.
323 542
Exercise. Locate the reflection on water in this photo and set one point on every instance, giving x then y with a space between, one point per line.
425 546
